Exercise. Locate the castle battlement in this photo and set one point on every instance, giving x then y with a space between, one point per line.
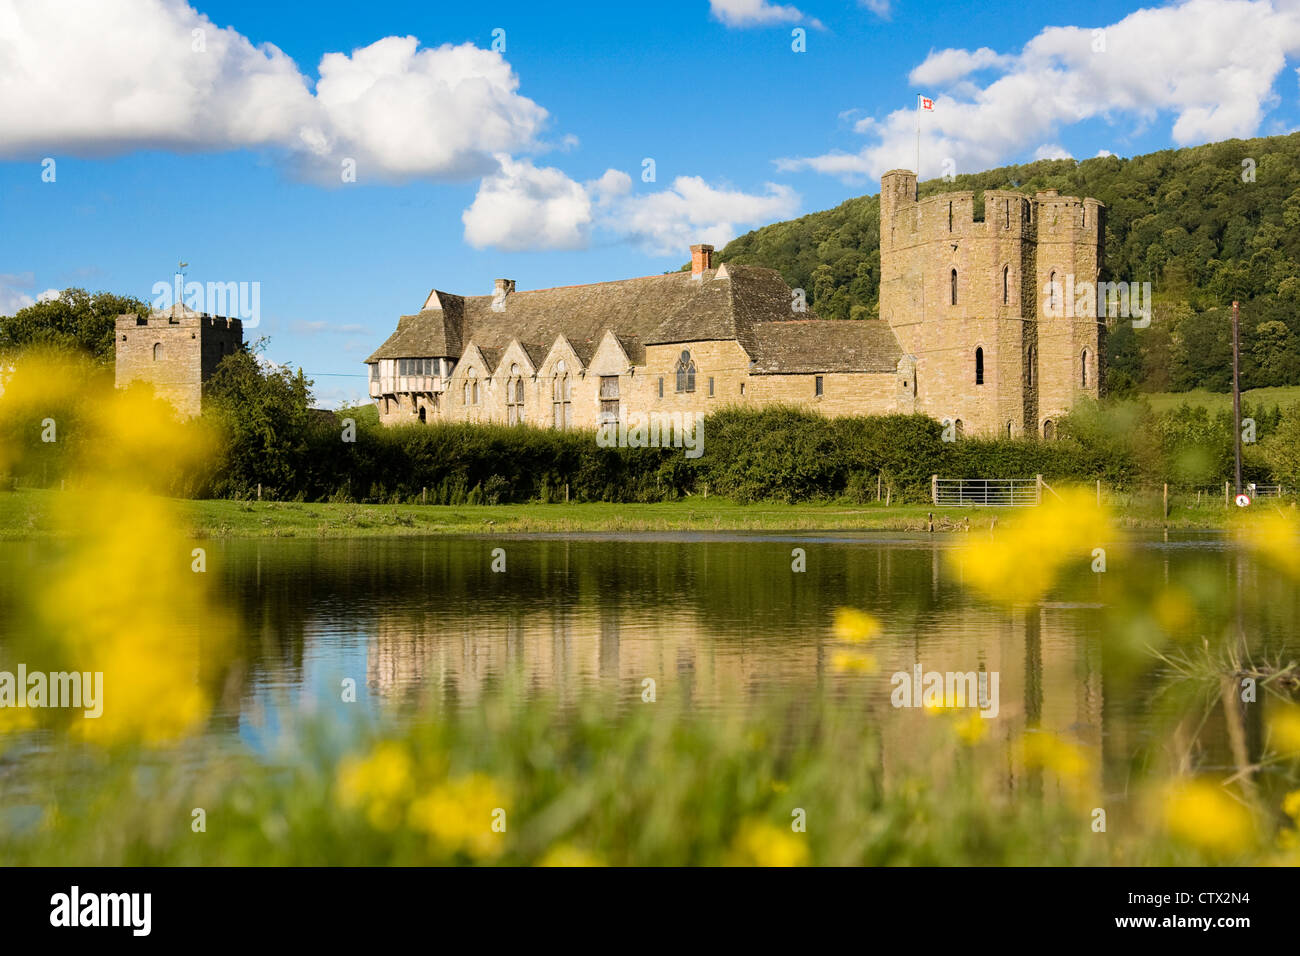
965 296
175 350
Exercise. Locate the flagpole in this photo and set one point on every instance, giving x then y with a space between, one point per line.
918 144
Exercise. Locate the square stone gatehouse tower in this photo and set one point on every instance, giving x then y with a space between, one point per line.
176 351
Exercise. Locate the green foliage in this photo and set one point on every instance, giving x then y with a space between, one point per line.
262 413
77 321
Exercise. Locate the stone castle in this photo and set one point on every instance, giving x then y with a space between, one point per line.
175 350
966 332
970 332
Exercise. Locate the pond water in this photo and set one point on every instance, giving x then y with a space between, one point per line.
717 621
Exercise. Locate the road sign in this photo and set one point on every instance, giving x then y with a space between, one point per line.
1243 501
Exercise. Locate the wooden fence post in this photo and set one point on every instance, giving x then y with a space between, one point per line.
1098 492
1164 504
1038 489
1227 500
934 491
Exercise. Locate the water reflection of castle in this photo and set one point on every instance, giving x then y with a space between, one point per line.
1049 668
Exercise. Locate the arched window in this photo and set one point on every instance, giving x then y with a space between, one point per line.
422 414
1006 285
979 366
1010 427
1051 293
471 387
561 397
1049 429
960 428
1083 380
953 290
685 373
515 396
157 351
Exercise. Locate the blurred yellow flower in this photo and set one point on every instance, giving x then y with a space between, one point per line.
379 782
1291 805
1048 751
1022 558
1273 536
855 626
1200 813
1174 611
1284 727
122 599
972 729
459 815
759 843
854 662
567 855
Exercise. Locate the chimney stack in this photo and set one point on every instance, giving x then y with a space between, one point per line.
701 260
503 288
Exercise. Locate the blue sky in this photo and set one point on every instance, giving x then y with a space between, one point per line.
527 162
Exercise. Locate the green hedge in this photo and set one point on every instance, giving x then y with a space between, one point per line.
776 454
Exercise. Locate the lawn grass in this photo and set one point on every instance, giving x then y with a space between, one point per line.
1281 396
27 513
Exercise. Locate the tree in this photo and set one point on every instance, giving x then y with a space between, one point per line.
76 320
261 410
1274 352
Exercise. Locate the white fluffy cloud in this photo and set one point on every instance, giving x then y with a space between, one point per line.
751 13
1211 64
117 75
523 207
670 220
16 289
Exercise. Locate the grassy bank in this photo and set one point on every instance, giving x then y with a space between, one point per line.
26 513
1281 396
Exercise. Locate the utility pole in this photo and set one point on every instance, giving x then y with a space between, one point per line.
1236 389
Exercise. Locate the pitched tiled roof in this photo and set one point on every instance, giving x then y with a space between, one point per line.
427 334
734 302
824 345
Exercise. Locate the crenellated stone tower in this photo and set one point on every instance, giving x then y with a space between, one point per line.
986 306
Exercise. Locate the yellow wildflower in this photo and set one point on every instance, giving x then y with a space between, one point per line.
459 815
1284 728
759 843
973 729
1049 752
844 662
1273 536
1202 814
567 855
855 626
1291 805
379 782
1022 558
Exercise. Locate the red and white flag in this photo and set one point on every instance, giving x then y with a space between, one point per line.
927 104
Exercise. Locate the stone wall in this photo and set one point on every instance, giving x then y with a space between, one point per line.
176 355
